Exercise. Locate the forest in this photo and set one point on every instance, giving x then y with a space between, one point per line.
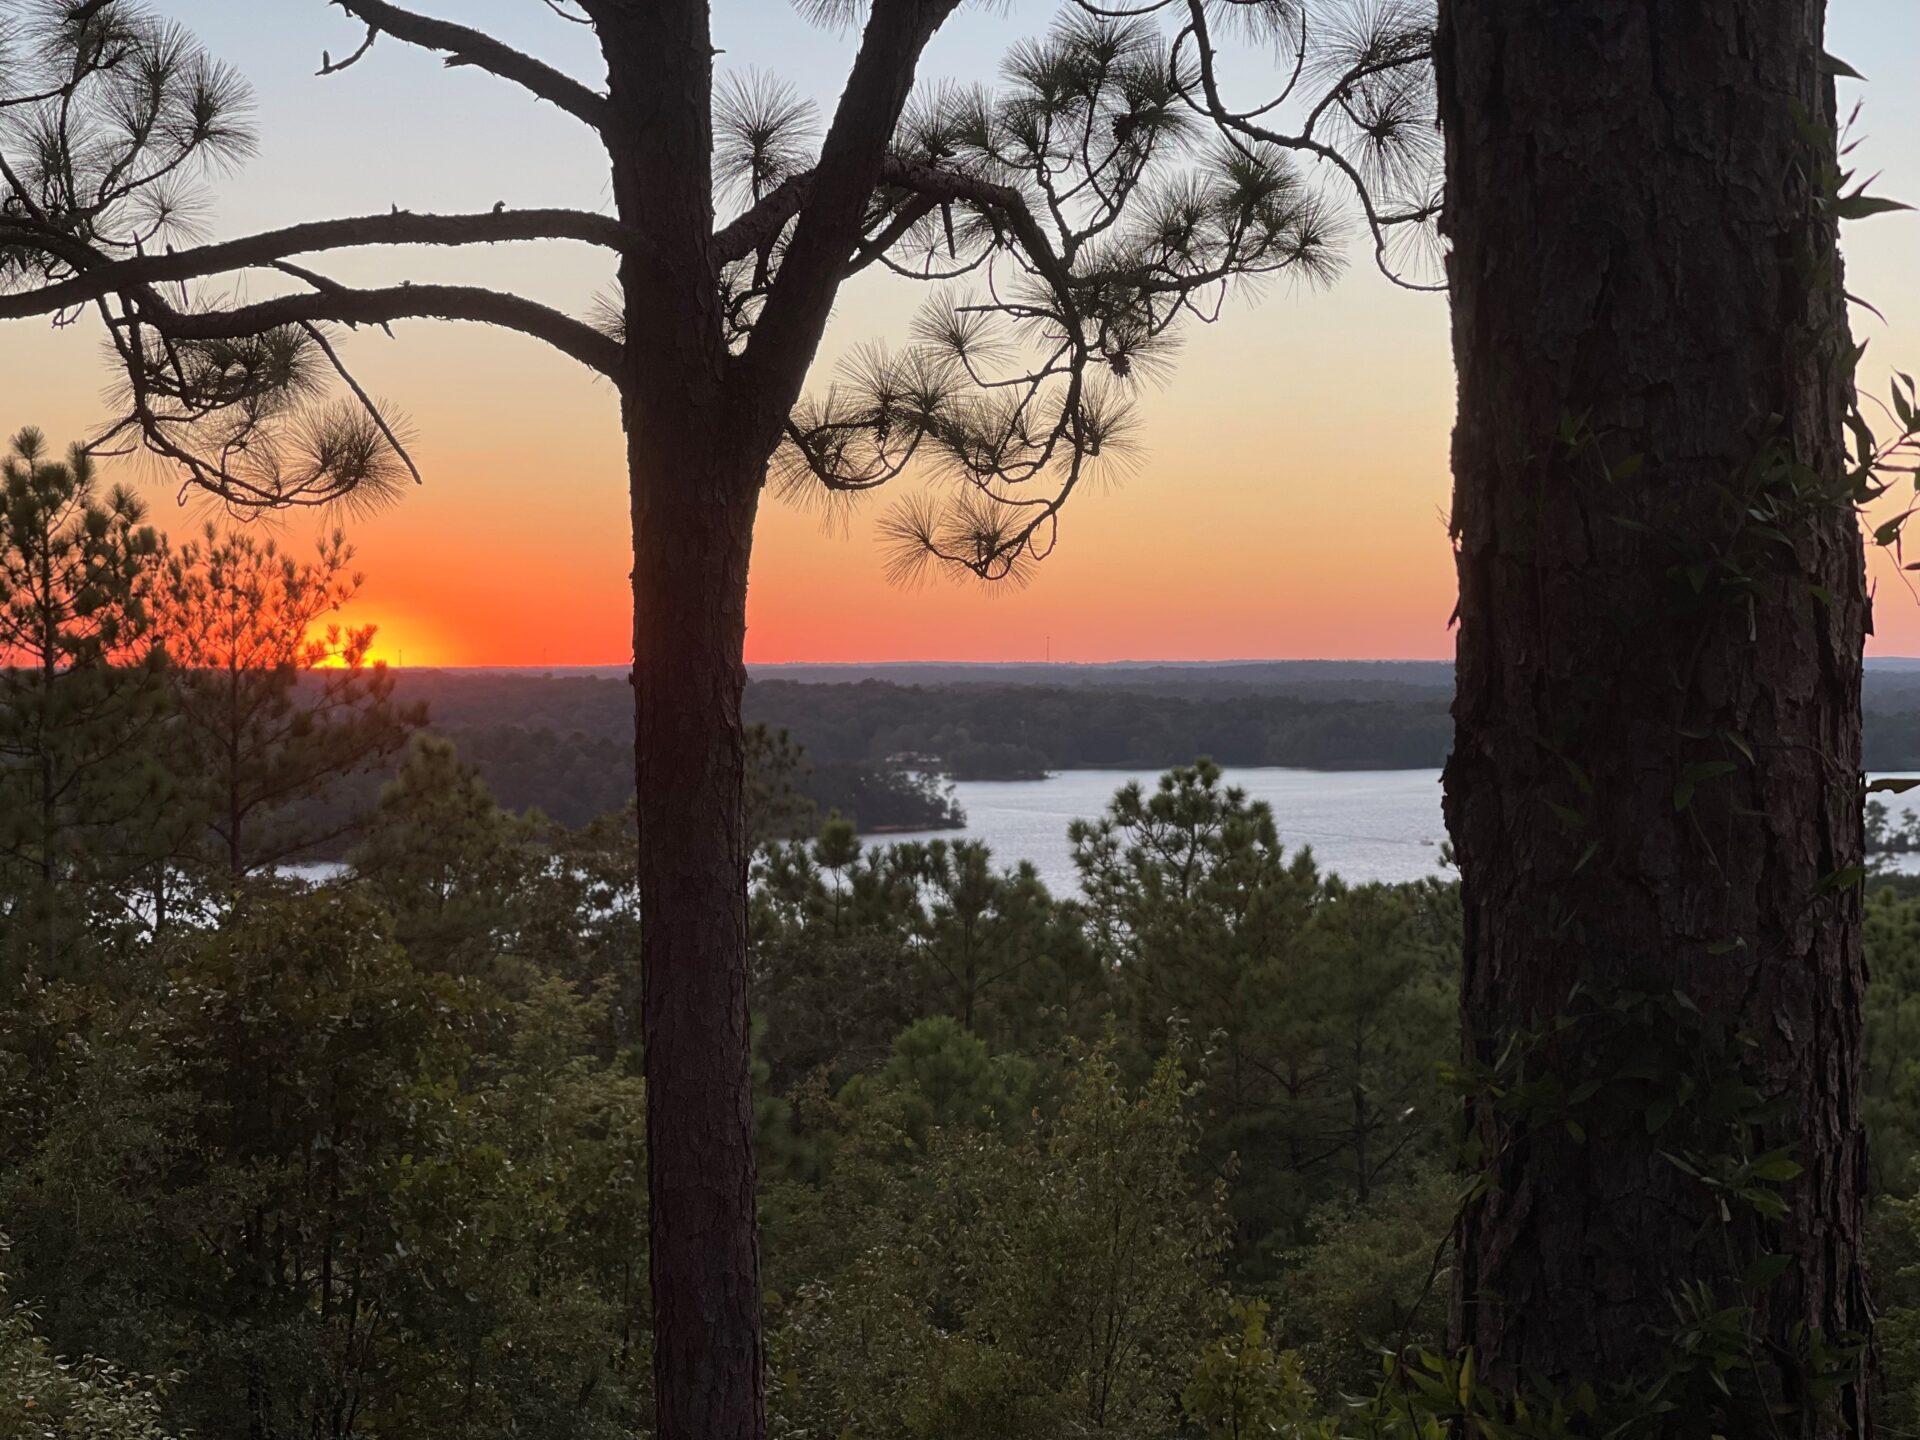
363 1157
564 744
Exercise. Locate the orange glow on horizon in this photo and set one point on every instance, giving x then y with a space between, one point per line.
401 640
1276 511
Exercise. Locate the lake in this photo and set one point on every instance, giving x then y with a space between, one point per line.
1362 824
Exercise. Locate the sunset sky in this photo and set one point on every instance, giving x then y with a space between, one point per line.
1291 499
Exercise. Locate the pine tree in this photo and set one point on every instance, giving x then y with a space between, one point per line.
1322 1008
451 867
774 804
78 699
1654 789
991 948
275 702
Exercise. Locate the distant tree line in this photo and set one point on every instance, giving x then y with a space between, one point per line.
562 743
991 731
573 776
974 730
1304 679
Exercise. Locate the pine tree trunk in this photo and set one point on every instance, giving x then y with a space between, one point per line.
702 422
693 526
1655 777
695 471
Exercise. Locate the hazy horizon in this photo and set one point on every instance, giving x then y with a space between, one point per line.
912 662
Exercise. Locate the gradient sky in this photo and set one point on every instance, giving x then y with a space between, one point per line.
1292 494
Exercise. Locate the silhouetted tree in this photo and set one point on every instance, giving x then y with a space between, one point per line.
77 689
1069 221
274 701
1655 782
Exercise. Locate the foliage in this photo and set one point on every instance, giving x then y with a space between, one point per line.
1889 1069
51 1398
1242 1387
1062 1282
447 863
1373 1279
998 954
78 693
1324 1008
334 1190
776 804
1894 1262
942 1077
883 795
274 701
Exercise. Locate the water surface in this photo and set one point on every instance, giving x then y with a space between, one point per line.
1362 824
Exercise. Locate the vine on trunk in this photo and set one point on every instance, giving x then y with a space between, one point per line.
1634 1060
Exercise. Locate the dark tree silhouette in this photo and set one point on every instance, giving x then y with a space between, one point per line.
1068 223
78 690
274 701
1655 786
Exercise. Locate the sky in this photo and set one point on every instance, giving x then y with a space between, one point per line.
1290 500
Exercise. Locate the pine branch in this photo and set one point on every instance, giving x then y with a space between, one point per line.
342 305
762 223
829 226
463 45
102 276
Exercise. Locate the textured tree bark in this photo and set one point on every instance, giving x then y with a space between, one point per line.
701 425
695 480
1655 775
691 548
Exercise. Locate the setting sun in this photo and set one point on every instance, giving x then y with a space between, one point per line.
401 637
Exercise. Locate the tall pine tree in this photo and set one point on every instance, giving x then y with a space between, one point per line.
77 696
1655 788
